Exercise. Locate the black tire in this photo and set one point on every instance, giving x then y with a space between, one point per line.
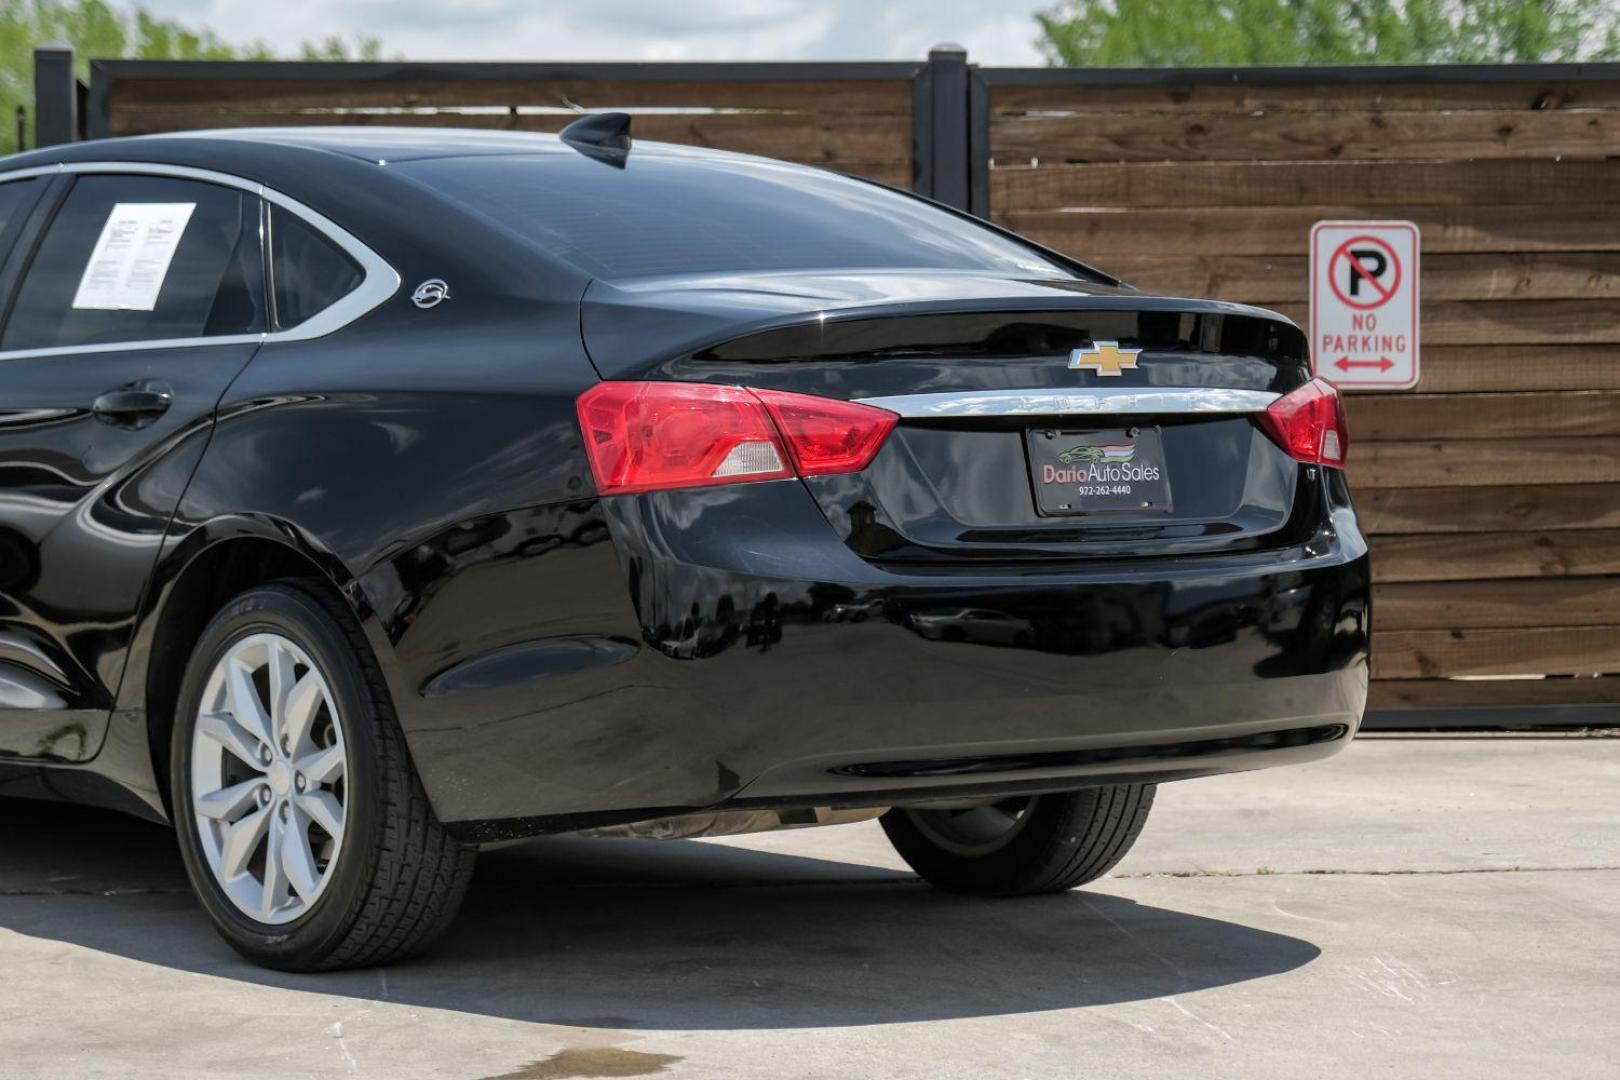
399 877
1056 843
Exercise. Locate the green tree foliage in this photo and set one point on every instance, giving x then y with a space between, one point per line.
335 48
1226 32
99 30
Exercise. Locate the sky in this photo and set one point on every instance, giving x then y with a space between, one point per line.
994 31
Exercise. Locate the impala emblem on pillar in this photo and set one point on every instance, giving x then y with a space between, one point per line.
431 293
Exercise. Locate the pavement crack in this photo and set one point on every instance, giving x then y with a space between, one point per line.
1364 873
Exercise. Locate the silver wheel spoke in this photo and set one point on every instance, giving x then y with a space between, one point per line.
323 766
241 840
281 684
220 728
298 711
323 809
275 876
227 804
244 702
298 860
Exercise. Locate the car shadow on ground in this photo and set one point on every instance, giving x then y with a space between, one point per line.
668 935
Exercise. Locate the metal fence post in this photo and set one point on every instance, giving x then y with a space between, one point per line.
56 95
951 168
922 131
978 140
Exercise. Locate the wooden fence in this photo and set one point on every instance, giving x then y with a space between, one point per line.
856 118
1492 491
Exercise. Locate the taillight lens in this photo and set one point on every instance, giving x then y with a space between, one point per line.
655 436
1309 424
827 436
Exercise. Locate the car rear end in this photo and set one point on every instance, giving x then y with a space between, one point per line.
963 518
936 547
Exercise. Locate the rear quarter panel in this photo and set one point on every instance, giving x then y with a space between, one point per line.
430 461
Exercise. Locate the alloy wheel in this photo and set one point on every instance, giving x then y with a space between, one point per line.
268 771
978 830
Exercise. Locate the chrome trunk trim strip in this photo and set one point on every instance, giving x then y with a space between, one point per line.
1109 401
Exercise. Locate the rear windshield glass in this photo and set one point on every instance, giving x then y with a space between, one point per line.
674 213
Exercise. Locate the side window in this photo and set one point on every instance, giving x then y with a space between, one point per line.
142 258
310 273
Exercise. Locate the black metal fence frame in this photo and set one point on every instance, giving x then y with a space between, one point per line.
951 156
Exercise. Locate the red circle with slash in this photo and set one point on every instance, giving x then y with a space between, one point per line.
1381 294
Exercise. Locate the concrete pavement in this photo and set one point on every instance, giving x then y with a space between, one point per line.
1415 907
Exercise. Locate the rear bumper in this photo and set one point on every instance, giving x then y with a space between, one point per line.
774 666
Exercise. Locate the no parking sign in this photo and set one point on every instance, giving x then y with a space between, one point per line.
1364 303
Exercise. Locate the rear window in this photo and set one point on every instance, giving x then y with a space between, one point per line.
310 272
669 213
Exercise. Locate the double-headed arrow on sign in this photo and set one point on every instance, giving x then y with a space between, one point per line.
1383 363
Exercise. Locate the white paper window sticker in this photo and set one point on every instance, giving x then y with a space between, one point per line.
132 256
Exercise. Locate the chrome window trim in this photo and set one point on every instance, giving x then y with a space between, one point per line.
1112 400
380 280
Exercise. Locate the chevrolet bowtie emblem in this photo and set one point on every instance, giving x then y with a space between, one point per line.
1103 357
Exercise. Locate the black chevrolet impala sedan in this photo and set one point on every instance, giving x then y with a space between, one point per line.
371 496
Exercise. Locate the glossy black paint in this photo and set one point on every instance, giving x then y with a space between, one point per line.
556 658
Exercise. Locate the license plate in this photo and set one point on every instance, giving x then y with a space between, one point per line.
1084 472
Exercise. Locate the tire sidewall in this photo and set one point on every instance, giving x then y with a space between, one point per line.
286 611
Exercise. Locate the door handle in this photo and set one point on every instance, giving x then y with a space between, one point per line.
138 404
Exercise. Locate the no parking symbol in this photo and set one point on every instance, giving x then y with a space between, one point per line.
1364 303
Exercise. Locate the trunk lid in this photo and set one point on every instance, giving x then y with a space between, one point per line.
1041 418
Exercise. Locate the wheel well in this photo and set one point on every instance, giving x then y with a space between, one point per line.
206 584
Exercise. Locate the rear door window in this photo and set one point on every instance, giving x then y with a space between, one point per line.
142 258
310 273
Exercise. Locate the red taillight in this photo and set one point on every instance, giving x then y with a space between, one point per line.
652 436
1309 424
827 436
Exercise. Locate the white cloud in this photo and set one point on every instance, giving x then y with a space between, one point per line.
993 32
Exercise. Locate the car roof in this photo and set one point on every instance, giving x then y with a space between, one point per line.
361 143
341 171
335 169
391 143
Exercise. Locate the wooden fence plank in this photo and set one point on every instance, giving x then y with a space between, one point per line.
1473 605
1324 136
1483 463
1460 693
1428 654
1457 368
1487 322
1471 556
1531 508
1376 417
1100 234
797 136
1369 184
1529 94
1283 279
841 96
